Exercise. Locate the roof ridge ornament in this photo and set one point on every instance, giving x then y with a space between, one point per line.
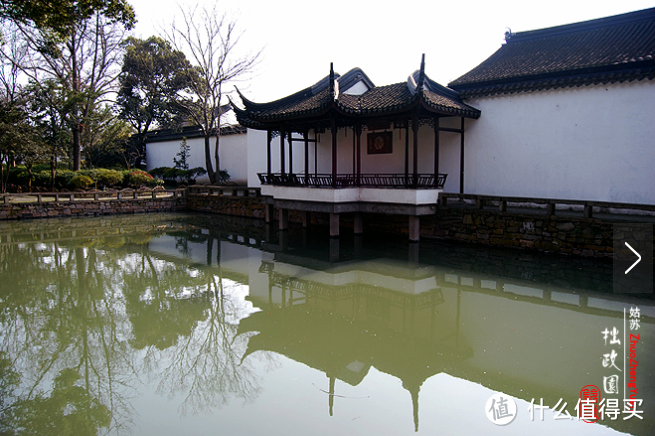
334 84
421 74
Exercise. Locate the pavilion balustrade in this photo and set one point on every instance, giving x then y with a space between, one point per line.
413 181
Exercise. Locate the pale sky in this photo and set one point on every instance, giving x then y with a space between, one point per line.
300 38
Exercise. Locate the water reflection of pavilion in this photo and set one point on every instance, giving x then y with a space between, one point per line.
512 336
344 330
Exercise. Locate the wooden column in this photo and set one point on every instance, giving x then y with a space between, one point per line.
436 150
269 137
290 153
414 228
334 224
268 213
358 134
305 136
406 152
461 160
315 153
354 154
304 216
282 135
333 128
415 148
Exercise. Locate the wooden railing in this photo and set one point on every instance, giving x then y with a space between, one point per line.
233 191
109 195
423 181
551 205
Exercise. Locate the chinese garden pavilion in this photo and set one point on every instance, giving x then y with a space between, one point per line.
387 176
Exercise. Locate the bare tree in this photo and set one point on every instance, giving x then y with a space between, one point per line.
211 40
85 63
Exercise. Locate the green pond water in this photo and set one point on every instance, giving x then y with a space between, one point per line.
207 325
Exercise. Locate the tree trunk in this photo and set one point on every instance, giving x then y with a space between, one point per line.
53 169
218 166
208 161
29 176
77 150
3 185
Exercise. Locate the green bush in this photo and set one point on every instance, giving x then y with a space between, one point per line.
173 175
63 178
223 176
108 178
18 176
167 174
138 178
42 178
81 181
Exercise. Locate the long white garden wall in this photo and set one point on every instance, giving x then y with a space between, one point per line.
588 143
232 153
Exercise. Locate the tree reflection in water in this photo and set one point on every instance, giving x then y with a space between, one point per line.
77 318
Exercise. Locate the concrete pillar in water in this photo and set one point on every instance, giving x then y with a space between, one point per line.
284 219
334 225
268 213
414 228
359 223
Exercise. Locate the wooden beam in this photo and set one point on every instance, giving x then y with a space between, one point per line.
302 139
450 129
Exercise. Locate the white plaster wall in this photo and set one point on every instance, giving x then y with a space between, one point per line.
587 143
233 155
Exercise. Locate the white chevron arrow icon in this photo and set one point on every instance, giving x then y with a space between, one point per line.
638 260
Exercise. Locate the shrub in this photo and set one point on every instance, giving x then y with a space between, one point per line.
165 173
42 179
63 178
138 178
108 178
81 182
223 176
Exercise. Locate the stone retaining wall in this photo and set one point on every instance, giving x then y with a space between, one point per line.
91 208
588 237
249 207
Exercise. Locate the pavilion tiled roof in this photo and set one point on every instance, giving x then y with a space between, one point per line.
607 50
378 100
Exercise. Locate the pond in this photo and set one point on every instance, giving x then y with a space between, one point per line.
199 324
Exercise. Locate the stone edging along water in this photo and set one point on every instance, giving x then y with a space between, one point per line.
563 233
